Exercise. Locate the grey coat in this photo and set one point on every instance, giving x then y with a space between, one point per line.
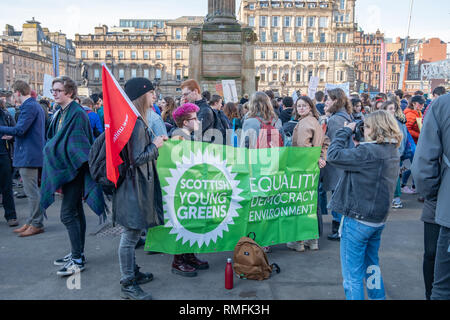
137 203
331 173
431 165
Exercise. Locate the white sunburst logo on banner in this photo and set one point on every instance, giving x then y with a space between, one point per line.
202 198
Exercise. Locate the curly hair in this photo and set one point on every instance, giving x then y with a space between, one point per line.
260 106
340 101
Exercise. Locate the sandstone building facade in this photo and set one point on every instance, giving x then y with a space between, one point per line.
155 49
301 39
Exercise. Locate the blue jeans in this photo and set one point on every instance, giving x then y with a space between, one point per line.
405 177
359 260
336 216
441 284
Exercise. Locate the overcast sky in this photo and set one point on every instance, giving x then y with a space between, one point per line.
431 18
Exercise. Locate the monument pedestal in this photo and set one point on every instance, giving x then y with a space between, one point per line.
84 92
220 51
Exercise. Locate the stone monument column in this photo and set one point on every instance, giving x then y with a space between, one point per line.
222 50
221 11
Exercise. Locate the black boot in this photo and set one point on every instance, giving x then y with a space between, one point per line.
142 277
130 290
334 236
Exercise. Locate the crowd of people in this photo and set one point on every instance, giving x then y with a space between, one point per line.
367 148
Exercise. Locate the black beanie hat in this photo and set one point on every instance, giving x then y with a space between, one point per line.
137 87
418 99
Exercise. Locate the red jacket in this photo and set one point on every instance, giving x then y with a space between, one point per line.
411 123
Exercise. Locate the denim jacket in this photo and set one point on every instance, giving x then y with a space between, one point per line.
366 189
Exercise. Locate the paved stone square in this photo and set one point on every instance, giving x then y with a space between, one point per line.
27 270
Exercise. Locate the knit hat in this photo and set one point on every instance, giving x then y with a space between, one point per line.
137 87
418 99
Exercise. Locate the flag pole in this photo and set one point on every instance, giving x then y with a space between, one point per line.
402 72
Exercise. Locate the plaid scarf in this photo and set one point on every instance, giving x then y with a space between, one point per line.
65 153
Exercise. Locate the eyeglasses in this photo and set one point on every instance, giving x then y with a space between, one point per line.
52 91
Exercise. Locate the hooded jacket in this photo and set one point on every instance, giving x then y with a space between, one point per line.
411 123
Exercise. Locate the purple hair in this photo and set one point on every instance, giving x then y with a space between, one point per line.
184 110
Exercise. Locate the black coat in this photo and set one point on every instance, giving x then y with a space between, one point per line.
137 203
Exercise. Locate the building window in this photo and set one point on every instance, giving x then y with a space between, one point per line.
275 37
146 55
322 37
263 36
310 55
298 76
342 5
178 74
299 22
178 35
274 75
275 55
158 74
322 75
286 55
311 22
96 54
338 38
133 55
146 73
287 22
299 37
323 22
178 55
310 74
121 74
251 6
287 36
263 21
344 38
121 55
109 54
84 54
158 55
299 55
322 55
96 74
286 76
275 21
251 21
263 55
133 73
310 37
263 76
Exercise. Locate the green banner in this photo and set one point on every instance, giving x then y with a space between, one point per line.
213 195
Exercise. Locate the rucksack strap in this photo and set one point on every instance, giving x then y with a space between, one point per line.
446 161
254 236
275 268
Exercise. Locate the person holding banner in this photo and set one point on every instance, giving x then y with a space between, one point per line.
340 109
137 202
309 133
185 117
364 196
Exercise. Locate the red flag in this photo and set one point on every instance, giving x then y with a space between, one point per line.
120 118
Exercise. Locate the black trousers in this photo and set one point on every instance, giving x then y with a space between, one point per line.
72 214
431 235
441 284
6 187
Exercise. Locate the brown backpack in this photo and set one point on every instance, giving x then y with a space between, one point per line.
250 261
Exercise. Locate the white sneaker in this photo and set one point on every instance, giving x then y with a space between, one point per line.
312 244
298 246
71 268
407 190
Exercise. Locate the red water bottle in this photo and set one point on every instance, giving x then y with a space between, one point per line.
229 275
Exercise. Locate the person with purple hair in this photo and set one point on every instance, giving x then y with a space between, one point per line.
186 119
